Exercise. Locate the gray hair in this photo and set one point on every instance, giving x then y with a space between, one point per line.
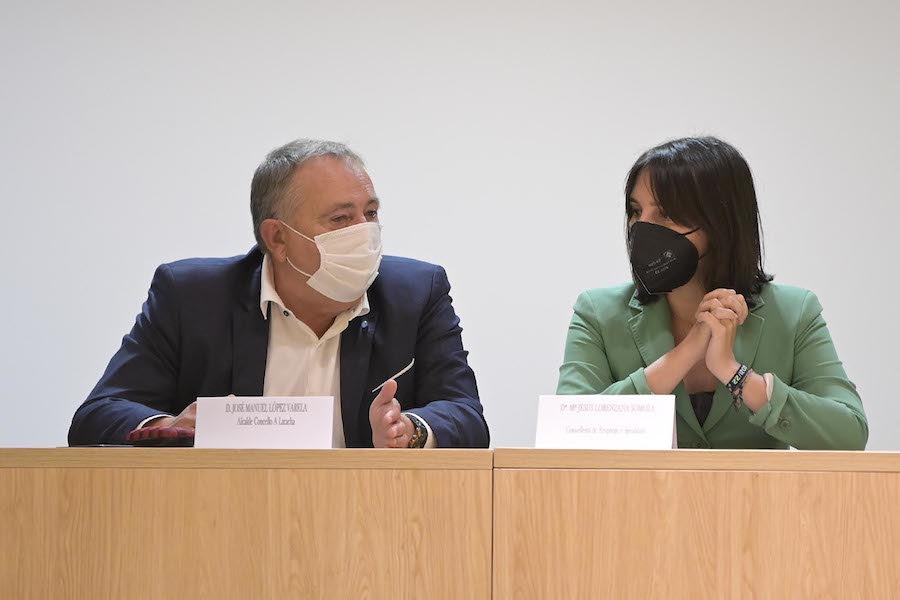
272 175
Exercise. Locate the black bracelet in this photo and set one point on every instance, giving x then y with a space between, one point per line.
736 385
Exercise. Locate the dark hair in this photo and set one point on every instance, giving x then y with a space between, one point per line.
272 175
704 182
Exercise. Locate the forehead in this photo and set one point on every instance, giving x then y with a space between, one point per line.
642 193
327 180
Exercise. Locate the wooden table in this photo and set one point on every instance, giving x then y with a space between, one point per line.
187 523
696 524
168 523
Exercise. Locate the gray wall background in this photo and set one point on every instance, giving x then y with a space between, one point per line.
497 133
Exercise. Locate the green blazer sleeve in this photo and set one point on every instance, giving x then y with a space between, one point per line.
820 409
585 368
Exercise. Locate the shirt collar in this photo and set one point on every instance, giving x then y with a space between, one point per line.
268 293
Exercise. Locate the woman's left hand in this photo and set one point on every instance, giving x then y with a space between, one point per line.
738 305
723 325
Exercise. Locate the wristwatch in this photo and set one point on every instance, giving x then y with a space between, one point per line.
420 433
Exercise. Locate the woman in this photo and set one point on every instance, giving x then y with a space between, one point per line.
750 362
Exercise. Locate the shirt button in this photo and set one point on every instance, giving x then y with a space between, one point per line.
287 314
784 424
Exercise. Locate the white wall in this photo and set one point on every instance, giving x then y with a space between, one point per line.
498 135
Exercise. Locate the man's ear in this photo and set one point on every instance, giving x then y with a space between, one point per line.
273 237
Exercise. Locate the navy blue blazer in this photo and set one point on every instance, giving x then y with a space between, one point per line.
201 333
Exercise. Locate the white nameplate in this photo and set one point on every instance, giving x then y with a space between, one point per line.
294 423
606 422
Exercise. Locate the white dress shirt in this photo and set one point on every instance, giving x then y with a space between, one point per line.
299 363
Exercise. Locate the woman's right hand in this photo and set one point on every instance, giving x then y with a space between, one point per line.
722 303
723 298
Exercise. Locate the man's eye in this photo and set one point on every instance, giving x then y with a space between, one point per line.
339 218
372 214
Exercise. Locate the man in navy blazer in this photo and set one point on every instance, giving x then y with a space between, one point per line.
313 309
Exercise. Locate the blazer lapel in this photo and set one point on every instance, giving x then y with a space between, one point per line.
250 342
356 350
746 343
651 328
652 331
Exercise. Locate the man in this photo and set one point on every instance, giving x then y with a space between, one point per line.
313 310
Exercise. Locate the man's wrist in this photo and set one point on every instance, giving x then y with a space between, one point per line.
410 426
419 434
156 421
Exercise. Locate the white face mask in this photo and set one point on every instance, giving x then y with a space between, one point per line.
349 261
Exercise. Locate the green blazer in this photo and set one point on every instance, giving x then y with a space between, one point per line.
813 406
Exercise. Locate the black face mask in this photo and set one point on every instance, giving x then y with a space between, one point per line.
661 259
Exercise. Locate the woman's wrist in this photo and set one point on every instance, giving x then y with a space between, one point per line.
695 343
670 369
725 370
756 394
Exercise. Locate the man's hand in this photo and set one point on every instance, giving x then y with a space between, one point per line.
390 429
187 419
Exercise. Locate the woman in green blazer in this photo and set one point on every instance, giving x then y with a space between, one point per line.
750 362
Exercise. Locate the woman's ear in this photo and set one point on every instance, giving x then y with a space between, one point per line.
701 242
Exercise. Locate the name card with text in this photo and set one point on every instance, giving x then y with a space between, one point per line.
293 423
606 422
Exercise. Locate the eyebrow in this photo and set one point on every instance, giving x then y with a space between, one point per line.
658 206
348 205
